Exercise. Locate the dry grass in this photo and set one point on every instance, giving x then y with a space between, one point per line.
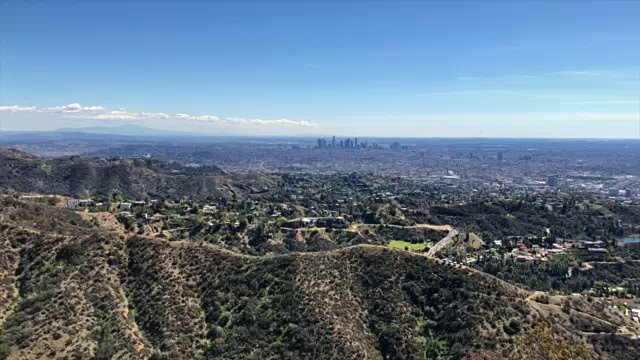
78 291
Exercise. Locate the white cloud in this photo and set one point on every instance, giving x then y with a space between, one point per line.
147 115
204 118
79 112
16 108
73 108
105 117
121 115
244 121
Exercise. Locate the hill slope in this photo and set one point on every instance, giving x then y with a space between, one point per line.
73 290
137 178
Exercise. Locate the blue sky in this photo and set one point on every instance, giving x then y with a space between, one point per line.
543 69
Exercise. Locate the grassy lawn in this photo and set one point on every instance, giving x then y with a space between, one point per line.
399 244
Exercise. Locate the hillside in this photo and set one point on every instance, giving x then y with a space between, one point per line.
136 178
73 290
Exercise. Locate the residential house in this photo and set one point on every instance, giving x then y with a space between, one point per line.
124 206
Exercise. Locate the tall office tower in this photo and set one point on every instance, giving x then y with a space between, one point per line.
356 143
333 142
500 155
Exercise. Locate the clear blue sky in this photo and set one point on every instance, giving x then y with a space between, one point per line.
543 69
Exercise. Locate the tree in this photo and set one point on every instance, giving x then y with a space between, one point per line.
117 197
158 355
5 351
542 343
436 348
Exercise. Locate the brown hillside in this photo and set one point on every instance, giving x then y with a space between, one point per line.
77 291
136 178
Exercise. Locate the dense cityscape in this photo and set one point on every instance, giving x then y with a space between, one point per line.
559 219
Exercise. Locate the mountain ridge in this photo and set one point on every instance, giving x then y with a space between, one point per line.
136 178
77 290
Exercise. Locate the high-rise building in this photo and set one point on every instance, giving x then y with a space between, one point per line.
319 143
333 142
552 181
356 143
500 155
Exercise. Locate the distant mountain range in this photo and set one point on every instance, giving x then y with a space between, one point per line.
127 130
124 132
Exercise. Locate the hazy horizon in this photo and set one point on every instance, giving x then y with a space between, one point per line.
121 130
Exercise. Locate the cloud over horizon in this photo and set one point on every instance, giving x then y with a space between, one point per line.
16 108
79 112
72 108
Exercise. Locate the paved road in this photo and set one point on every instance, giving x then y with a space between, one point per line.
442 243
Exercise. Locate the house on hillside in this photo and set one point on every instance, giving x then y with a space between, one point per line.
209 209
73 202
598 251
124 206
86 202
593 244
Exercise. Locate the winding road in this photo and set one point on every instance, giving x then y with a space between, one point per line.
442 243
